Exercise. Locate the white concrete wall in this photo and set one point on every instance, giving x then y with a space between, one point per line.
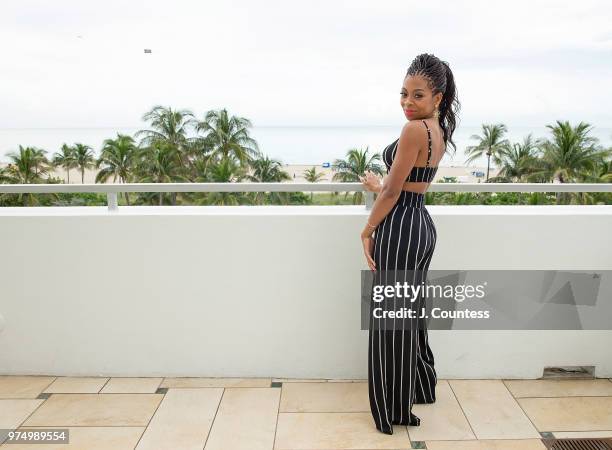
262 291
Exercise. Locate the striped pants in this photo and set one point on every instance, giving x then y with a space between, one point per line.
400 362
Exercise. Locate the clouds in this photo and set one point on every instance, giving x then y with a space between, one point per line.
302 63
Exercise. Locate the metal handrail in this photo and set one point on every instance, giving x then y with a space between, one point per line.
112 189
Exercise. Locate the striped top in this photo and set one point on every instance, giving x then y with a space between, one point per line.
417 174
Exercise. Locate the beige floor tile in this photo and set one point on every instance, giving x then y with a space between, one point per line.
299 380
95 410
341 431
583 434
15 386
14 411
513 444
132 386
348 380
569 413
492 411
246 419
195 382
77 385
325 397
89 438
442 420
183 420
559 388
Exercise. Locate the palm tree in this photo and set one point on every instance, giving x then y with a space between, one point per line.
84 158
225 171
65 159
518 161
603 170
490 143
354 167
602 173
26 167
161 163
312 176
170 127
117 160
228 136
571 155
41 163
266 170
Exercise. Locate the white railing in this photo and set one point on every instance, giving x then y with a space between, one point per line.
112 190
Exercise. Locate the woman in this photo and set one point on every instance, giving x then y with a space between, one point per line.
400 235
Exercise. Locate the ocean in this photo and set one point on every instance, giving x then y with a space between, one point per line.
290 145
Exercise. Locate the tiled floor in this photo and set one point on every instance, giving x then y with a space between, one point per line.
281 414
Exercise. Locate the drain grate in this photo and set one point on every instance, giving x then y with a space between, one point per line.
569 372
578 444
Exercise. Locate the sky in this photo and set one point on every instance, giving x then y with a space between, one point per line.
72 64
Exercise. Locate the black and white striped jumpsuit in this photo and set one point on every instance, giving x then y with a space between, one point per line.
400 362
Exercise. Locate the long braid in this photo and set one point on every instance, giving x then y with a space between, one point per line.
440 79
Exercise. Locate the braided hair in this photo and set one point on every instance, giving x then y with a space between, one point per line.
439 79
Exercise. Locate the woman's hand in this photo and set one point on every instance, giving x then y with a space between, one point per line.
368 247
371 182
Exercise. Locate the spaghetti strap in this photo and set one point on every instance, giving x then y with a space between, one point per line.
429 144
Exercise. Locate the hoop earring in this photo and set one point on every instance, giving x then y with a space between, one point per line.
437 113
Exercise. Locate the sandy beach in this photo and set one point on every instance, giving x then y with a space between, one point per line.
464 174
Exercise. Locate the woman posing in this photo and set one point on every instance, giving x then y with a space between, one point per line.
400 236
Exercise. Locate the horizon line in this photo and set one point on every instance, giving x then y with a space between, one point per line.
274 126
